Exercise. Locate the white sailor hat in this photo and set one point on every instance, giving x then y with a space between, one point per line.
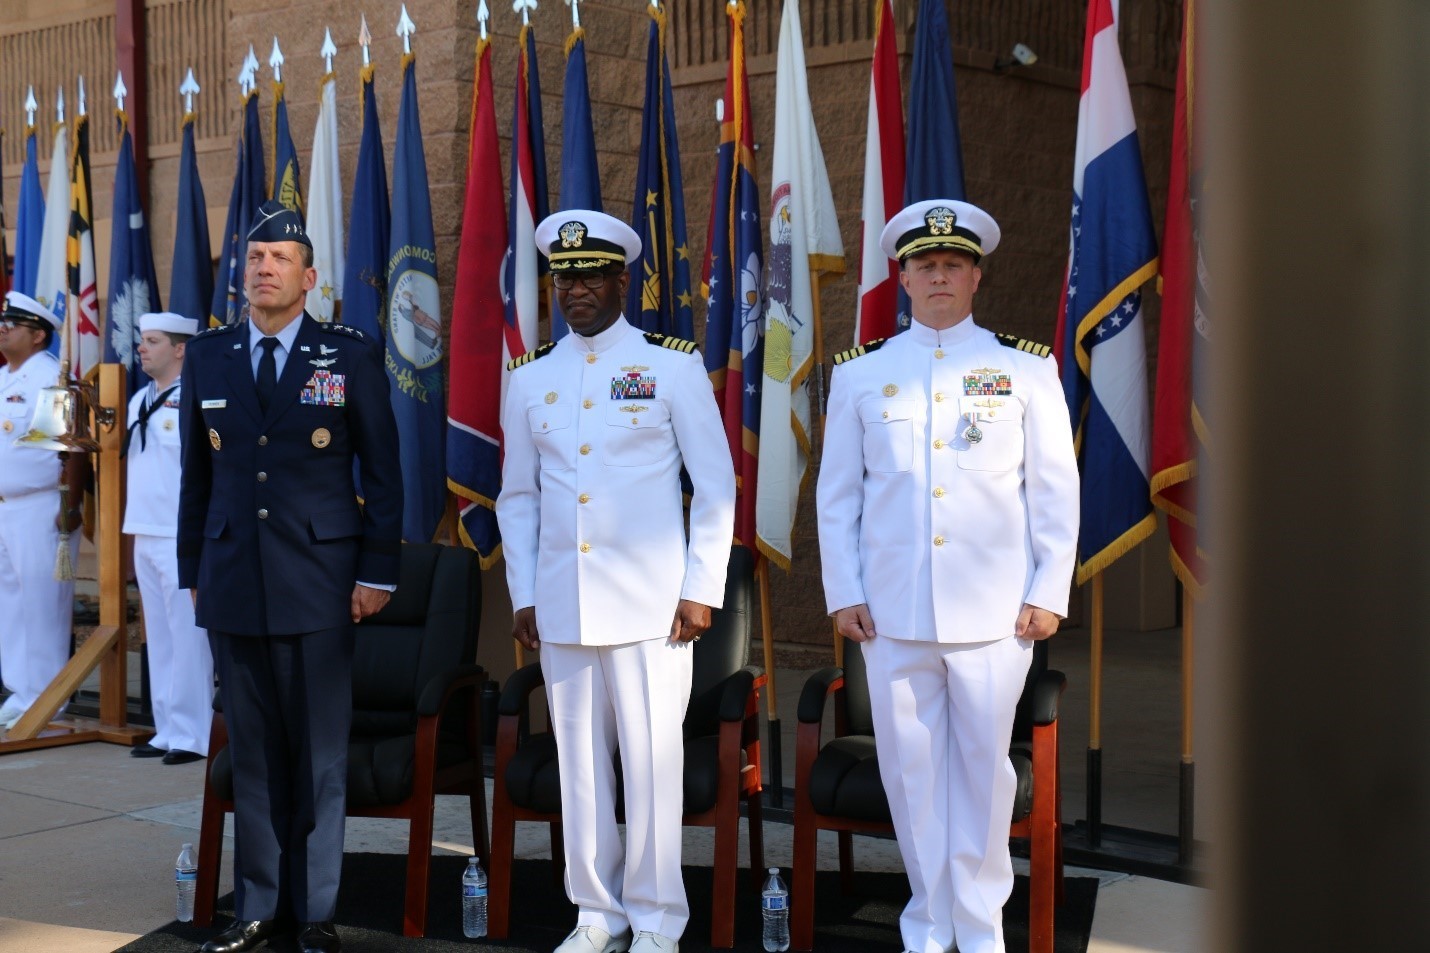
167 321
940 224
22 307
583 240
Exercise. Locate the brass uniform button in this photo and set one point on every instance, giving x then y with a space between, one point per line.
886 415
587 404
635 420
590 358
938 540
938 444
263 514
585 449
938 492
938 354
583 498
585 547
938 398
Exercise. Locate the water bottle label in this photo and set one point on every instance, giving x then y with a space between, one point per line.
182 875
774 903
470 890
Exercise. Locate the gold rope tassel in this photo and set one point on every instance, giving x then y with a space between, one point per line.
64 564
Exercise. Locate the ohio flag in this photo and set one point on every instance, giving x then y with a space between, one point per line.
1101 354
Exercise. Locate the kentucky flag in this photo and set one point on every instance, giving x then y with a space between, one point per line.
734 278
249 188
191 285
521 273
369 225
287 180
414 322
580 175
478 355
1101 354
660 296
29 219
133 289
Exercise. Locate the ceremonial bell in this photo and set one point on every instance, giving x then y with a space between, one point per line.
62 417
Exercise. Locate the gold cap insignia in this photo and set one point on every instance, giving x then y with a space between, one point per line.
573 234
940 220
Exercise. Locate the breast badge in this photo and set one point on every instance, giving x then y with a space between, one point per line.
9 427
321 437
214 440
890 390
551 397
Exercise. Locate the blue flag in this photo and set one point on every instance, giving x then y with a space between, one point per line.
660 294
249 188
365 268
580 174
934 155
521 273
191 284
133 289
29 220
414 321
287 179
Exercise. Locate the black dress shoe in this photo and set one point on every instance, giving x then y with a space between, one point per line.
319 938
243 936
146 750
179 756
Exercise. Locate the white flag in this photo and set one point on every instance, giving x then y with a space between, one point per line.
51 274
804 241
325 209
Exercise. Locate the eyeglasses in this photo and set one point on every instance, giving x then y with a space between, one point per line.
591 280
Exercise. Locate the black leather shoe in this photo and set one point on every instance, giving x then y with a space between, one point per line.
319 938
146 750
179 756
243 936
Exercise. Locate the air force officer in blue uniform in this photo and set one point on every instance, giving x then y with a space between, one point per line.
282 562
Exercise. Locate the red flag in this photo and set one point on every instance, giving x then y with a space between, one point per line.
1179 431
883 185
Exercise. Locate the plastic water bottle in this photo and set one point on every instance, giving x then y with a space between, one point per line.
474 900
774 904
186 875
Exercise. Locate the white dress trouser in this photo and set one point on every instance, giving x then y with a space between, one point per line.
181 669
943 719
630 697
36 610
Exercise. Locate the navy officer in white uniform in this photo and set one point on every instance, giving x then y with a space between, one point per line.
604 578
948 518
181 670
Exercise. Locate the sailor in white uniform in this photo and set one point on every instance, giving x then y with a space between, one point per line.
180 666
36 609
603 577
948 518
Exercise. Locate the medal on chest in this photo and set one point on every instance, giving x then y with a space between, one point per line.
634 383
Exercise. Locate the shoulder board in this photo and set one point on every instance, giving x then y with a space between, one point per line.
859 351
530 356
1023 344
341 329
215 330
675 344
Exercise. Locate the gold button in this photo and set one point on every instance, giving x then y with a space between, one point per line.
886 415
585 547
938 398
938 444
590 358
585 449
938 492
262 477
544 425
587 404
583 498
938 354
938 540
635 420
263 441
263 514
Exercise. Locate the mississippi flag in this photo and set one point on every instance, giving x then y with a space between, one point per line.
521 272
1101 354
734 277
875 309
477 355
1180 433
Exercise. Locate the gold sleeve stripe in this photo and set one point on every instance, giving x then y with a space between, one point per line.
859 351
675 344
1023 344
529 356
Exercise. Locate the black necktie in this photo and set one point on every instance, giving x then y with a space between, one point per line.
267 373
146 410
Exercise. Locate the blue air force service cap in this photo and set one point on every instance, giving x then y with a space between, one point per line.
277 222
940 224
583 240
20 307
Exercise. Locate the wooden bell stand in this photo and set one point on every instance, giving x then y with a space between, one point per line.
106 648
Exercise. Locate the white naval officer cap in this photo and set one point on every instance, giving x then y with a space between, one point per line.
24 308
168 321
584 240
940 224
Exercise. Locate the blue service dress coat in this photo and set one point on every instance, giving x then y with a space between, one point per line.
270 530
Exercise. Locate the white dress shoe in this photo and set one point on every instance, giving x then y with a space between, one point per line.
594 940
648 942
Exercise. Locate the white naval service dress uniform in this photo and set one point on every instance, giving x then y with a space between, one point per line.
945 539
36 609
180 667
596 430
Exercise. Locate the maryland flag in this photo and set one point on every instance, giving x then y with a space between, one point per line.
86 349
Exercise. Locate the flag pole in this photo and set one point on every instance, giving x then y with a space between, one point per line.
1094 721
815 285
772 715
1186 803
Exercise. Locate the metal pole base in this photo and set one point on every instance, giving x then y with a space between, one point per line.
1186 813
1094 797
777 786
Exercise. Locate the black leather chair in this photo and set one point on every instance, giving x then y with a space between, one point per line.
837 787
416 721
722 759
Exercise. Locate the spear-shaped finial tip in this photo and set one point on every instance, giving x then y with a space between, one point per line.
364 34
275 59
330 49
483 15
190 85
524 7
31 105
120 90
83 103
405 26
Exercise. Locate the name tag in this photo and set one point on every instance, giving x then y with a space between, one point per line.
214 404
